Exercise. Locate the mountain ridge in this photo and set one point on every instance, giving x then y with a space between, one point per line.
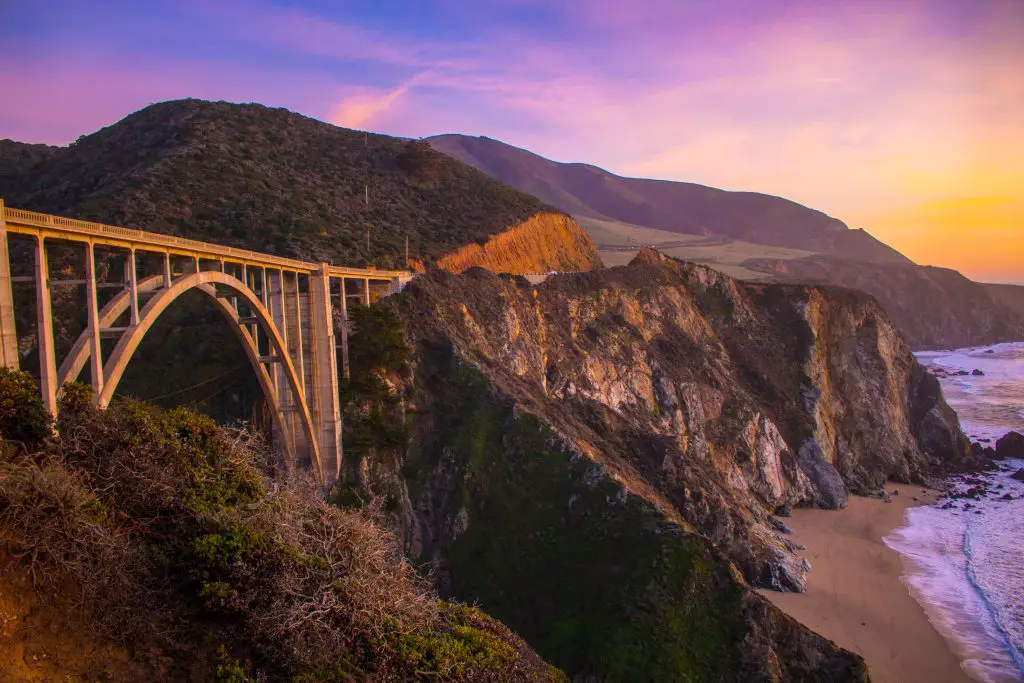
934 308
682 207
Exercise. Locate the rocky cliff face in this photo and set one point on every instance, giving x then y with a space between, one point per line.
1011 296
541 243
932 307
596 459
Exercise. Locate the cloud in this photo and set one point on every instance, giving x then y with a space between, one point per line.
365 106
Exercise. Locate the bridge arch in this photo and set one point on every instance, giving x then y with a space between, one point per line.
209 282
291 300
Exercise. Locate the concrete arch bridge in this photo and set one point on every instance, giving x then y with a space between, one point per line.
282 310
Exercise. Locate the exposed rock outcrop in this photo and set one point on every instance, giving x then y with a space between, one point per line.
1011 445
596 459
539 244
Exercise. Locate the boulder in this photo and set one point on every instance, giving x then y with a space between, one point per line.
783 511
1018 475
828 485
1011 446
977 373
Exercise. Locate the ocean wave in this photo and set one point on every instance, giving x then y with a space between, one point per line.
937 573
966 567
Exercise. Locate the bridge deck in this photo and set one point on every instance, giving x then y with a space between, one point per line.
59 227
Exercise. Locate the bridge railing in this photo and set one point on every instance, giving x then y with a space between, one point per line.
141 238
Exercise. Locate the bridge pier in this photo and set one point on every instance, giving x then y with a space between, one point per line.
92 304
8 333
44 330
326 405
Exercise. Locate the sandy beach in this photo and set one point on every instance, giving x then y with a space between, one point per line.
855 596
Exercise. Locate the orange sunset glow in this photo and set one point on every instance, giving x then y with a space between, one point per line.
902 118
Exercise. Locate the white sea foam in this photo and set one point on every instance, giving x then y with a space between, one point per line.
967 572
966 567
988 405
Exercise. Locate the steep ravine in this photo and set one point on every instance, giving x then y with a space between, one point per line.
596 459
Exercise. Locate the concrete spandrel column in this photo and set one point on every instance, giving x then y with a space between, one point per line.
8 331
133 288
366 291
345 371
344 301
93 311
44 331
299 357
168 275
275 304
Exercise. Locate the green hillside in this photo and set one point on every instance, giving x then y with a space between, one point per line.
266 179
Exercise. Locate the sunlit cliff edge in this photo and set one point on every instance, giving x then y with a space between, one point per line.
541 243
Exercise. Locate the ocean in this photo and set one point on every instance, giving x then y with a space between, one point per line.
966 567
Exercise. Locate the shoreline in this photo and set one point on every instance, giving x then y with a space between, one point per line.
857 595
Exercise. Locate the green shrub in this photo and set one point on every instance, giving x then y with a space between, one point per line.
377 342
229 669
22 415
455 647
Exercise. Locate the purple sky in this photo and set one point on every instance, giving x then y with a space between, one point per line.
903 117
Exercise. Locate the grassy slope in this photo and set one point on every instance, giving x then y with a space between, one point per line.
1011 296
584 190
618 243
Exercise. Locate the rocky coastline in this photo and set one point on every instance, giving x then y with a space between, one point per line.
963 488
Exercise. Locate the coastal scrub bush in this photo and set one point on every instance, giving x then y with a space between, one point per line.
161 529
22 415
374 420
377 342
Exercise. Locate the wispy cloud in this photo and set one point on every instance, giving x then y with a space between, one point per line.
363 106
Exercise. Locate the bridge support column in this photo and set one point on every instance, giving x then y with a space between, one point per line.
326 406
346 373
133 287
8 333
93 311
168 275
44 330
278 312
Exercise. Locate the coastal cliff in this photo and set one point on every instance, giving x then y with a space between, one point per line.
933 307
596 459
